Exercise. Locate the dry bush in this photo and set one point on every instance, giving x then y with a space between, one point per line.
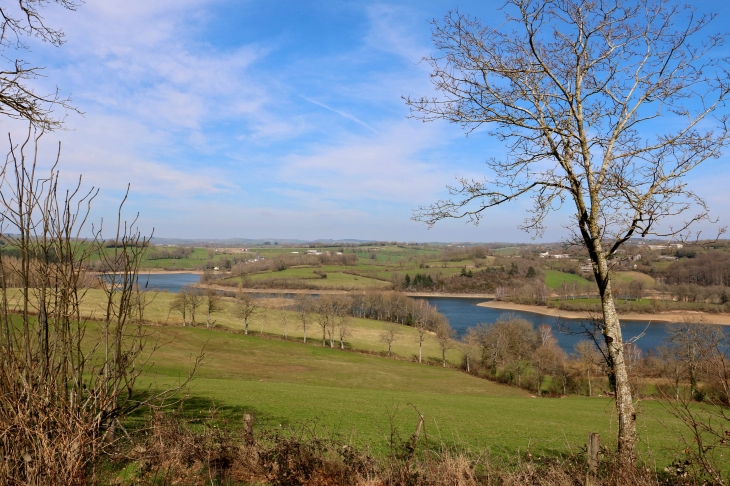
63 393
176 450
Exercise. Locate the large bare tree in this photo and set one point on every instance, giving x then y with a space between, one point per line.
19 98
604 106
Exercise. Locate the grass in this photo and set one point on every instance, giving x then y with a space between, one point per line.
363 334
554 278
362 397
335 279
357 396
628 277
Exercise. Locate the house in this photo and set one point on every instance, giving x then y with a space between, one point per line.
658 247
545 254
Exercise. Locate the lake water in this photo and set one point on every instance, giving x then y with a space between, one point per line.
465 313
172 282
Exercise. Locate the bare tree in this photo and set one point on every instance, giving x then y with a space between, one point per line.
421 335
389 335
342 315
689 342
181 303
284 324
445 337
324 316
546 335
577 89
304 308
195 298
246 307
20 19
588 358
546 359
213 304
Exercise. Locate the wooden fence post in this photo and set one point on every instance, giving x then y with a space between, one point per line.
248 429
594 445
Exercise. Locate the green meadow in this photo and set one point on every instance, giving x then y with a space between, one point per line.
361 398
359 395
554 278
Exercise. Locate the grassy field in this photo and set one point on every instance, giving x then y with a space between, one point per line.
628 277
554 279
356 396
361 397
363 334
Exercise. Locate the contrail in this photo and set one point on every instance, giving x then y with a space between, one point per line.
343 114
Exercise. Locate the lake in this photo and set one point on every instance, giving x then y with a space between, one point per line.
172 282
464 313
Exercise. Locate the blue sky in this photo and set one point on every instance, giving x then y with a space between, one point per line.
278 119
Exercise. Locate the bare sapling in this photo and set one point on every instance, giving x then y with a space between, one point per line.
64 391
213 304
246 308
389 335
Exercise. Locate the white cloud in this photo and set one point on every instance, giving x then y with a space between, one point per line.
385 167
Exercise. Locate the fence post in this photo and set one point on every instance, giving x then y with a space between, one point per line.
594 444
248 429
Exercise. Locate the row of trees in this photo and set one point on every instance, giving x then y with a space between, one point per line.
329 314
711 268
692 362
163 253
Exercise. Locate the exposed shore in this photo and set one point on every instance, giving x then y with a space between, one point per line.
156 271
339 291
674 316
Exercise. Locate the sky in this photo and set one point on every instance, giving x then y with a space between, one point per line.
272 119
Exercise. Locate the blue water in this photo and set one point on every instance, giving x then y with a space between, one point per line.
465 313
172 282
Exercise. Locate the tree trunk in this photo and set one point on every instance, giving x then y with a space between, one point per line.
590 391
207 320
614 344
304 330
245 326
420 352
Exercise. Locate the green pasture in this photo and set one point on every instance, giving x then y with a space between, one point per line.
272 320
355 396
628 277
554 278
335 279
506 251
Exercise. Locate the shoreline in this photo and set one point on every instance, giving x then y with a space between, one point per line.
168 272
340 291
674 316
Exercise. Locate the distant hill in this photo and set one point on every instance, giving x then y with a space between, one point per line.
228 242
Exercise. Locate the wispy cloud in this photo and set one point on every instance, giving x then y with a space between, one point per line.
341 113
